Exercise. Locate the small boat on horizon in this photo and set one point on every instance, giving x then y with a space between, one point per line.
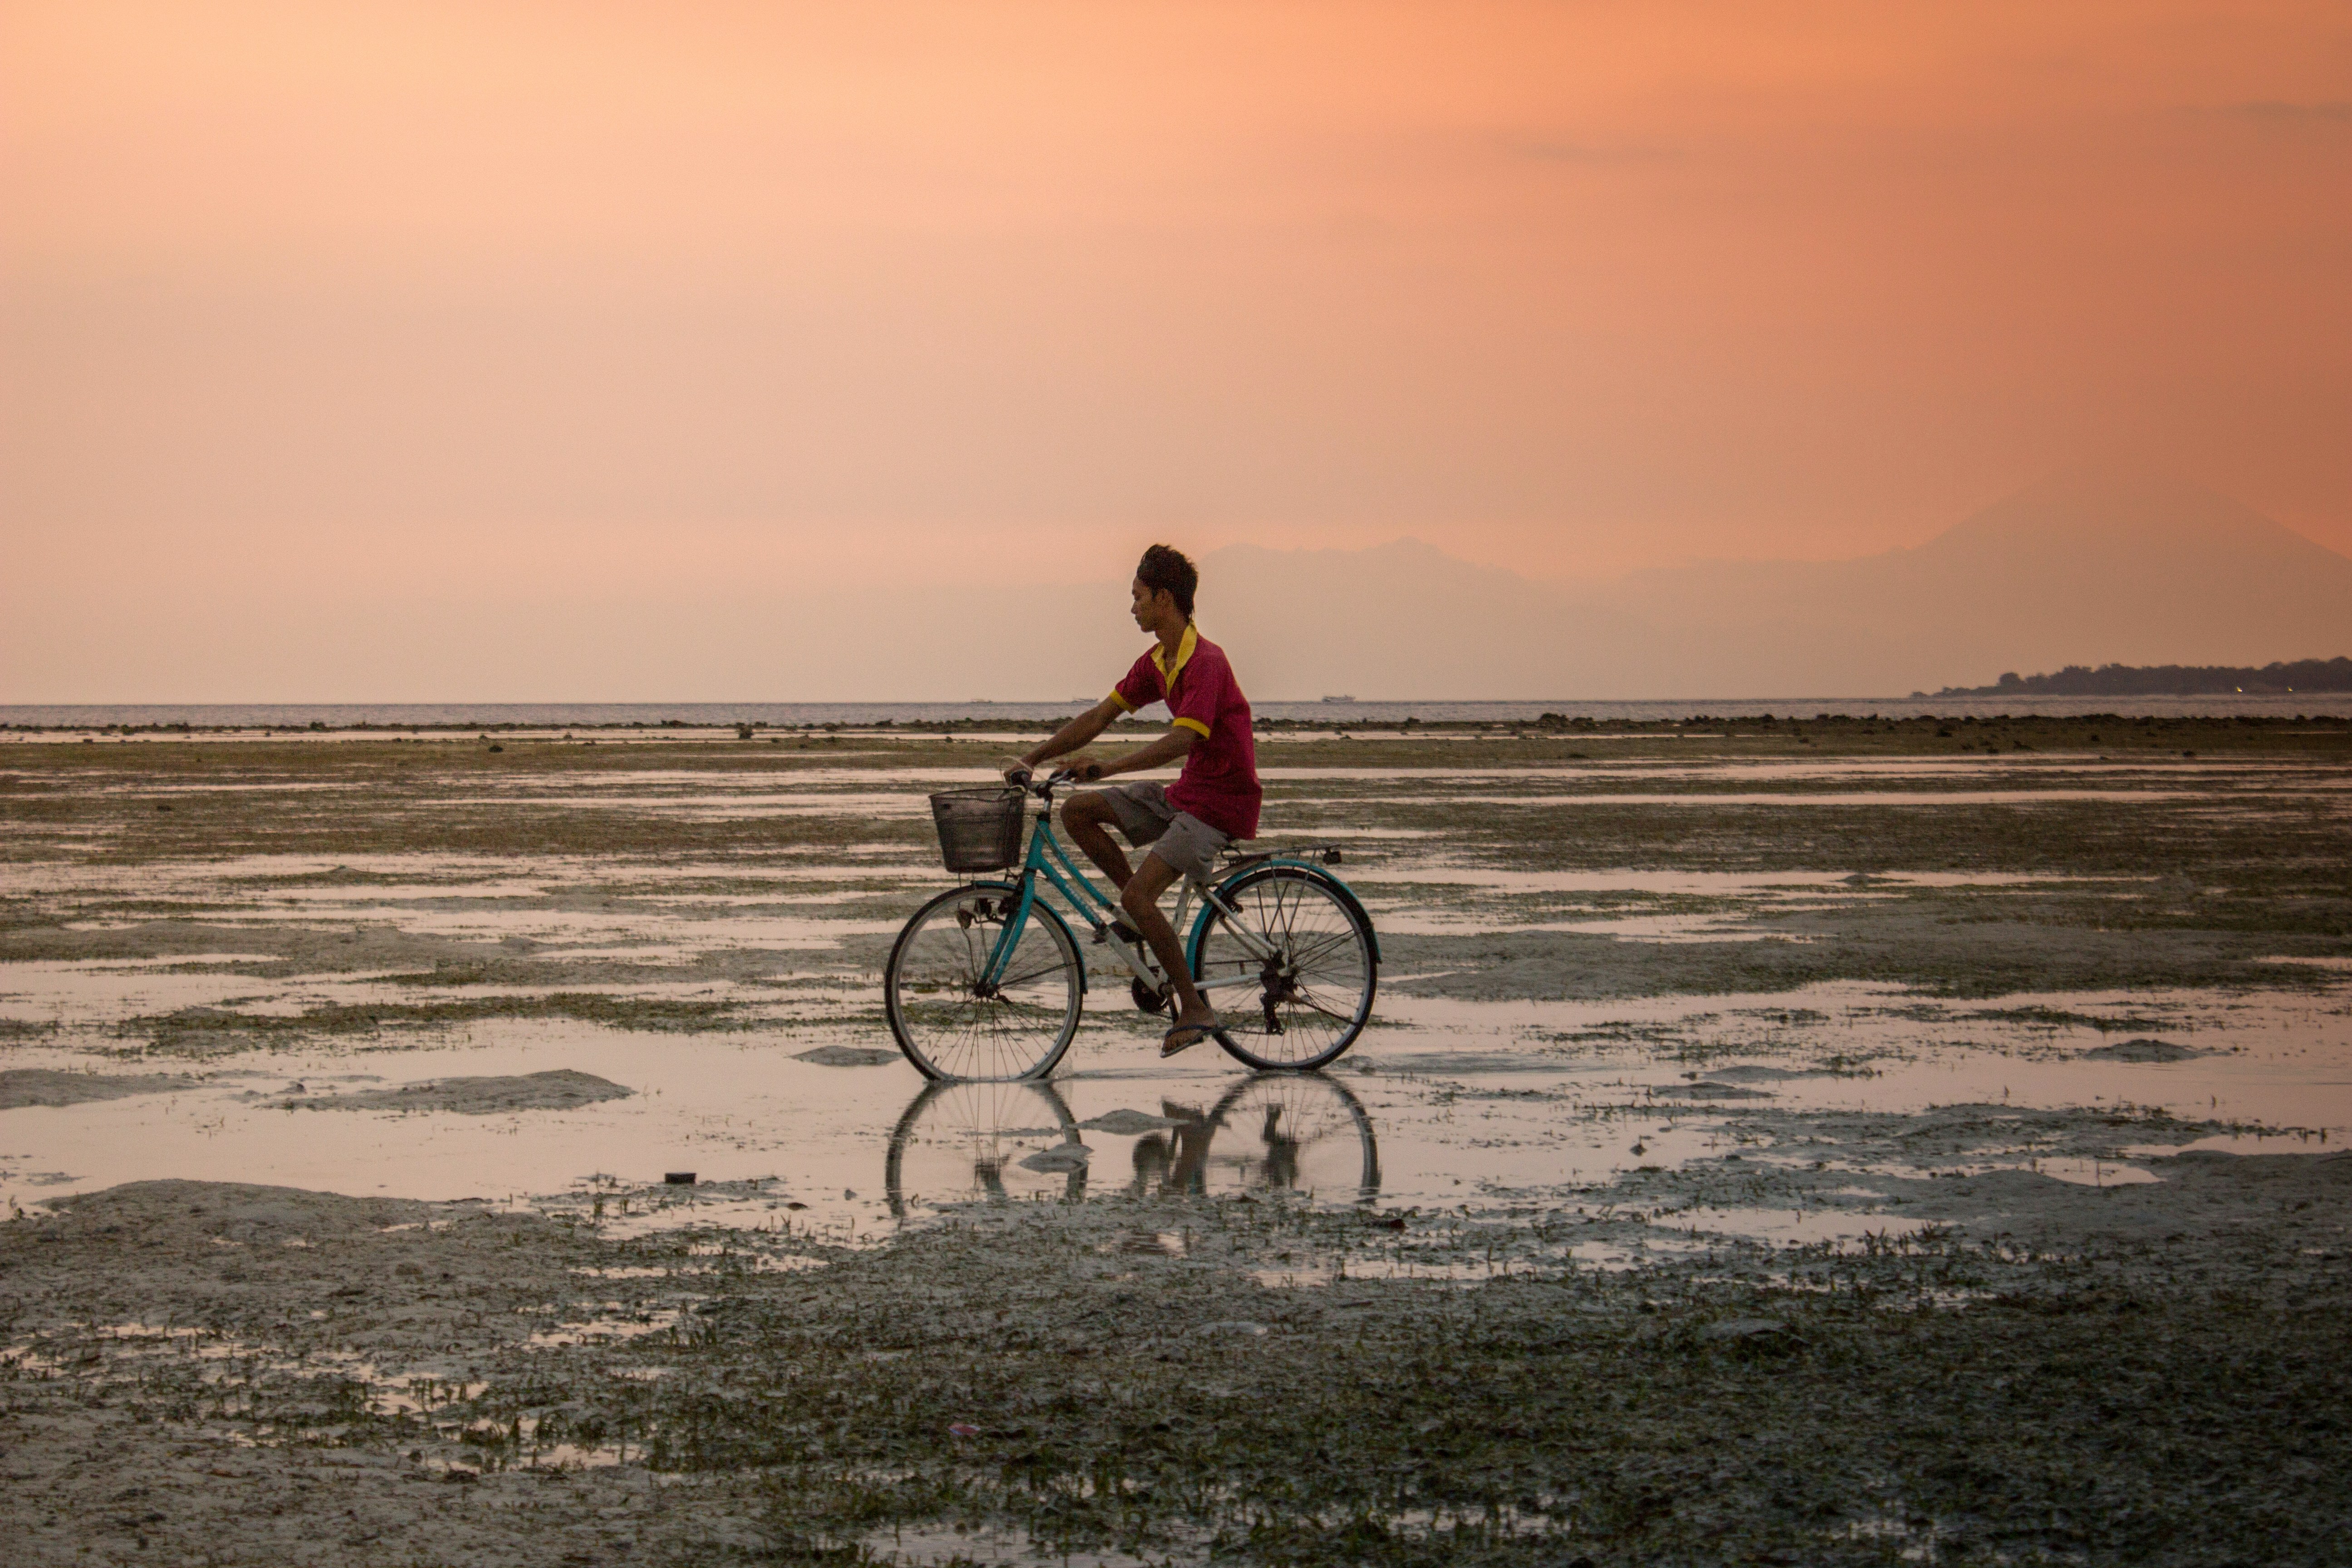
1339 700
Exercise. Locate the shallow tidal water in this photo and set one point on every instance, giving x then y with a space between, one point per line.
1449 1100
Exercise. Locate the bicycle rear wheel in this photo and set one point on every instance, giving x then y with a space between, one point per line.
1297 967
951 1020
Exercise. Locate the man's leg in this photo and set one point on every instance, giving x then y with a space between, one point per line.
1088 819
1192 1133
1140 899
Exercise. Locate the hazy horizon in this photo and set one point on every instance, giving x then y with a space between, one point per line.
2086 568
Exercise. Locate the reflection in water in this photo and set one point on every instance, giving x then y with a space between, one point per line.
995 1142
960 1141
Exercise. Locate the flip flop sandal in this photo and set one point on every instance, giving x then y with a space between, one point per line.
1194 1034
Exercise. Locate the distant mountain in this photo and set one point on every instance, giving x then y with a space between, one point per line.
2085 567
2169 680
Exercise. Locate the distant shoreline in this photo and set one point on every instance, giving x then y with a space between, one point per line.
653 718
2304 678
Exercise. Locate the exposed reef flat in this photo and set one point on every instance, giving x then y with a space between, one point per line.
1814 1142
51 1085
559 1089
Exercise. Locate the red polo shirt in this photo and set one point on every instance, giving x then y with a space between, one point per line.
1219 783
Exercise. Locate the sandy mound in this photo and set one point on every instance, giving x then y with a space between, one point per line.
2200 1194
235 1212
1126 1123
847 1057
2142 1051
561 1089
1060 1157
49 1086
1746 1073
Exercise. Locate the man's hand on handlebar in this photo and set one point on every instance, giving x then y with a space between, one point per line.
1082 769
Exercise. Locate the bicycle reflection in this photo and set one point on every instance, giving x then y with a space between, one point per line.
1002 1142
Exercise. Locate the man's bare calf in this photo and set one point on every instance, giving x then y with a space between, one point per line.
1140 897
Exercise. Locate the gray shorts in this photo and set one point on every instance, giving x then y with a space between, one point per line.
1183 840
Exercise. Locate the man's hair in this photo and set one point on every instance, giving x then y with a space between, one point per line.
1165 567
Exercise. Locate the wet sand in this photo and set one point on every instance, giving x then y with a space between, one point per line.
1809 1142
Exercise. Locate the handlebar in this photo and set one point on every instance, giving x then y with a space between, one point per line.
1026 778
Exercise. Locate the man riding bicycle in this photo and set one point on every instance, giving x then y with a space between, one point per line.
1214 799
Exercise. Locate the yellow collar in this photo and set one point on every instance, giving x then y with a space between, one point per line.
1184 646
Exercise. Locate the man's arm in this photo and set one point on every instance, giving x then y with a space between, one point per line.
1169 748
1077 732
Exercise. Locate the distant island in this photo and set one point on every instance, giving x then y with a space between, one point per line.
2168 681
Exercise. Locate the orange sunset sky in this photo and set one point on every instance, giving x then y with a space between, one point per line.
482 351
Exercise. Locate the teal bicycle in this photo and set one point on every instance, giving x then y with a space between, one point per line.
988 980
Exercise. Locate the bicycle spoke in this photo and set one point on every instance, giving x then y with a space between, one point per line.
1307 999
1308 954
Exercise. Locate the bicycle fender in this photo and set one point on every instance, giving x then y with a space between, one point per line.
1347 895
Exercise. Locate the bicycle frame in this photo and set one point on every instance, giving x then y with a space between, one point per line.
1047 860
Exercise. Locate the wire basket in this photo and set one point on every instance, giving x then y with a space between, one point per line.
980 829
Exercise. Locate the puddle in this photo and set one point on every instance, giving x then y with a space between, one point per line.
2095 1173
1451 1102
1693 884
1702 801
1404 920
2272 1059
617 1323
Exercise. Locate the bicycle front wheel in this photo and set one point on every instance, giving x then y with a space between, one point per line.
1290 972
950 1020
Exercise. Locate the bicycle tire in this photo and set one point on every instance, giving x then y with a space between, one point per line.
943 1023
1315 999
